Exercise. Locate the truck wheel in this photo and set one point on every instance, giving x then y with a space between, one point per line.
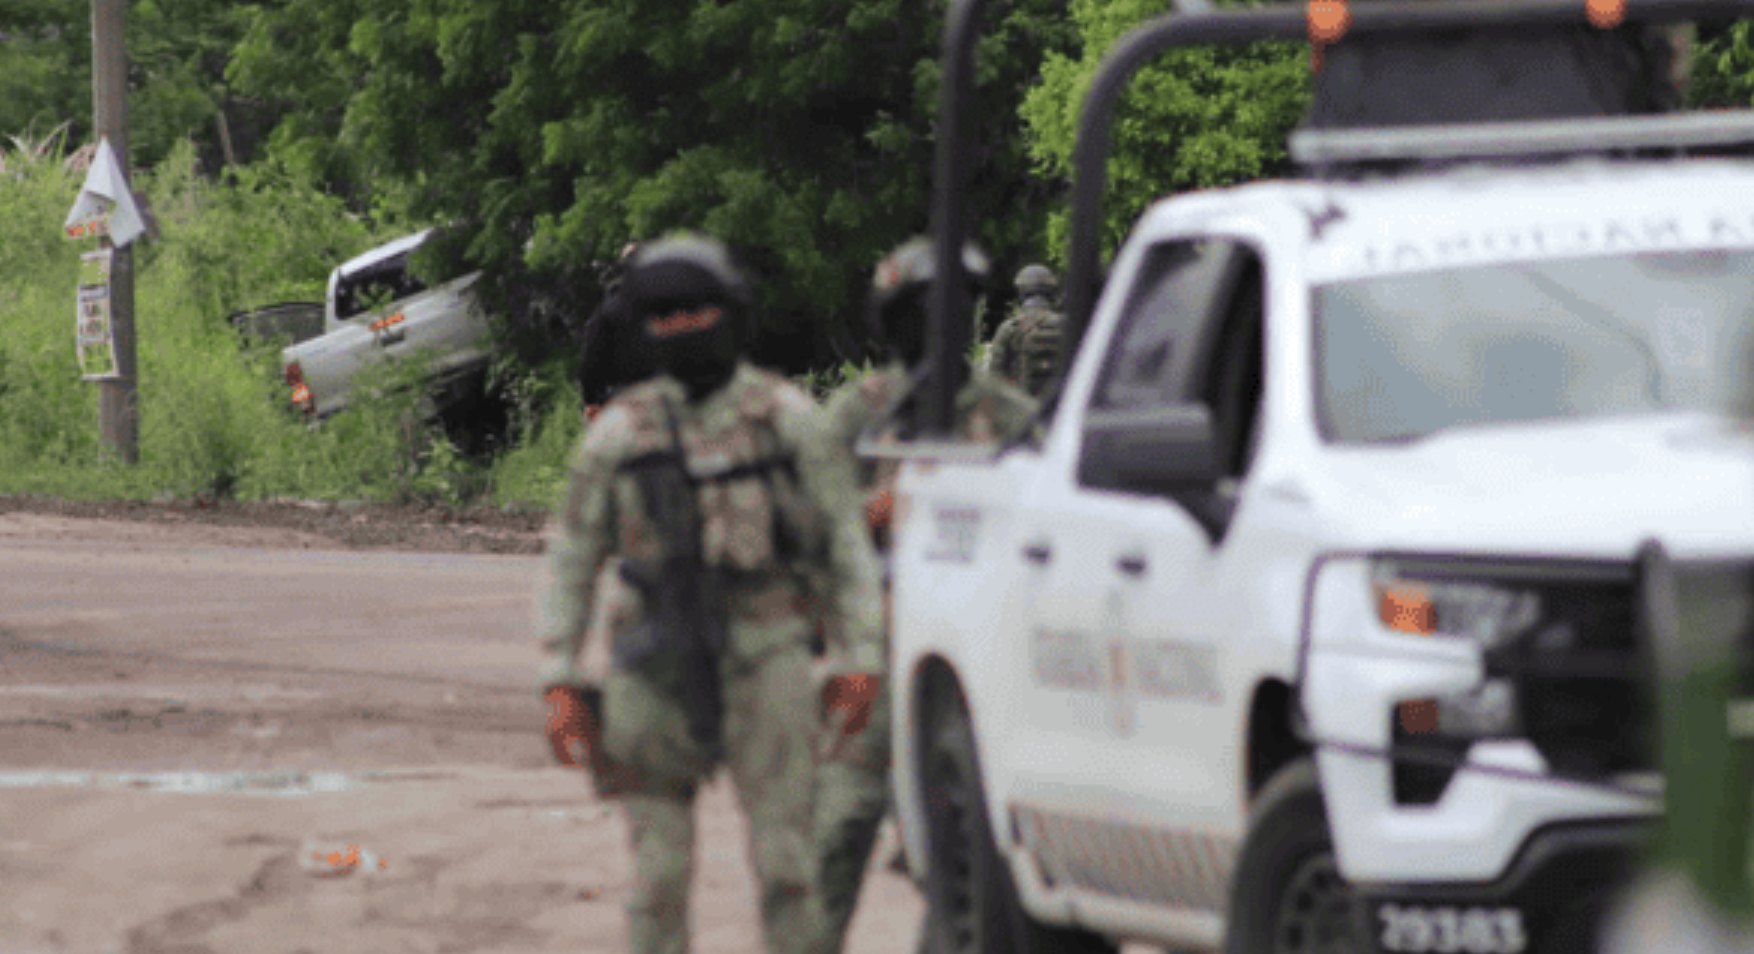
974 908
1287 895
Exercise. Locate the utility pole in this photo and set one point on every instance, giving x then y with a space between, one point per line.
118 398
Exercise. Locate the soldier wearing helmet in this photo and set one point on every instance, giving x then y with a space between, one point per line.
1026 348
715 486
853 784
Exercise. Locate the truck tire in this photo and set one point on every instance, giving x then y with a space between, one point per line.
972 901
1287 896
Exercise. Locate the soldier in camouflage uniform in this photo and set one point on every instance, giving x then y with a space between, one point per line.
1026 348
717 487
853 787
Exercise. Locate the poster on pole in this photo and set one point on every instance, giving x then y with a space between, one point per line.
106 206
93 334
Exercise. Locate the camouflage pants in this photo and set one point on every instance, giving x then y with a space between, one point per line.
852 796
770 726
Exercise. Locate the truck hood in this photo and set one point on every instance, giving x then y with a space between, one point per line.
1583 489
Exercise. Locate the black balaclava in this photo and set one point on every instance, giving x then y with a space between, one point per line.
689 321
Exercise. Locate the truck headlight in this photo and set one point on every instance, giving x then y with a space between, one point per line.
1490 710
1489 614
1486 614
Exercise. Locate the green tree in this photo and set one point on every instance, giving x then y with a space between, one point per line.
1721 68
177 53
1197 118
45 46
177 56
550 133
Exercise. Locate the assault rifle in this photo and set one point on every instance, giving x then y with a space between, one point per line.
683 633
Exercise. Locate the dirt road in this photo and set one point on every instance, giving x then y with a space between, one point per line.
225 736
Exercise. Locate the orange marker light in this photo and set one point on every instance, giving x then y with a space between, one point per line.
1407 610
1328 20
1605 14
383 323
1418 716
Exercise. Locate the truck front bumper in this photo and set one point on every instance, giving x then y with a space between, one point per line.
1550 900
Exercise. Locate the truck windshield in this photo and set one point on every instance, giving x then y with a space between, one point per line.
1404 356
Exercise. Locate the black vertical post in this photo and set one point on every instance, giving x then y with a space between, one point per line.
949 329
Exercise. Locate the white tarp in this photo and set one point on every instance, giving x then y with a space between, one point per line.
105 205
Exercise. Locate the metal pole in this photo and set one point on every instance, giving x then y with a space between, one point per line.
948 332
118 398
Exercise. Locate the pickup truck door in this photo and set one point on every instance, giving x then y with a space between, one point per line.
1133 590
443 321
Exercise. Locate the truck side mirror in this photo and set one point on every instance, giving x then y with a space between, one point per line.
1155 450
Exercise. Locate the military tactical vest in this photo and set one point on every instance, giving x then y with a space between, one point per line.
751 514
1039 350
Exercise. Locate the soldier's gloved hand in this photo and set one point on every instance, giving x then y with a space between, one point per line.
879 510
572 730
851 696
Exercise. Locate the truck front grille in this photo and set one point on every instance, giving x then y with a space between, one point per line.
1582 675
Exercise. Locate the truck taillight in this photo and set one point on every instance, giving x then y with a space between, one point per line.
301 392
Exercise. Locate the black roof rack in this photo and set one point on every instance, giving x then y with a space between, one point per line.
1675 131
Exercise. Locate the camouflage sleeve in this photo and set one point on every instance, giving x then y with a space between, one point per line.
854 597
846 415
1016 414
1002 354
580 539
989 409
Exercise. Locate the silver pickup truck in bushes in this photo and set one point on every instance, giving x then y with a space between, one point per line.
376 310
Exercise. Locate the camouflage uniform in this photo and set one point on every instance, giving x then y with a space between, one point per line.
1027 345
852 789
770 720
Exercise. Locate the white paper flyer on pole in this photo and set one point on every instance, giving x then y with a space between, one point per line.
93 335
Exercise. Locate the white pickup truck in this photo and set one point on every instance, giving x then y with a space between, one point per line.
1311 624
376 310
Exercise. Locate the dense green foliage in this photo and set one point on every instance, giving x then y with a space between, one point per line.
46 77
1197 118
552 133
177 51
1722 68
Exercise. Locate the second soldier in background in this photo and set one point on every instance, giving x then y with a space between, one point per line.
853 786
717 487
1026 348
